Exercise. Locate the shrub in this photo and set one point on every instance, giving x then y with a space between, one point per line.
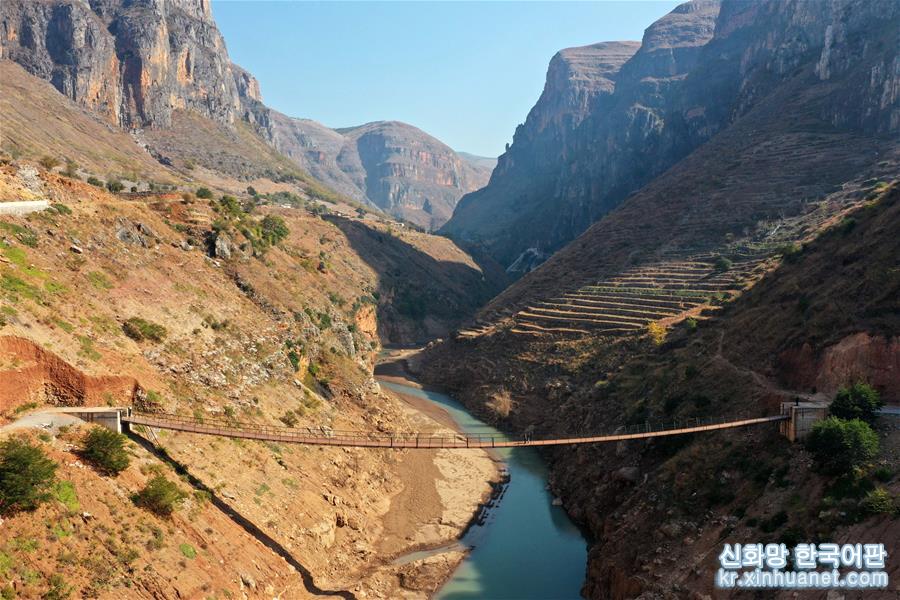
252 190
139 329
722 264
289 419
838 445
106 450
273 229
883 474
657 333
859 401
115 186
60 209
188 551
159 496
59 589
204 193
878 502
71 170
49 162
94 181
27 476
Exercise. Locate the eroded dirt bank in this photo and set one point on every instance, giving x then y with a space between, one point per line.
446 483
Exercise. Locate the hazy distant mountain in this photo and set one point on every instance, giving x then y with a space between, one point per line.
394 166
478 161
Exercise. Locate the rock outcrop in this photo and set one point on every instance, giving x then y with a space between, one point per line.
698 71
144 64
132 62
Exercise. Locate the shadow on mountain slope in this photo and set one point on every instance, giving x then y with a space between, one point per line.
427 285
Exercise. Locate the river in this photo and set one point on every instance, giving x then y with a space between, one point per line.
527 549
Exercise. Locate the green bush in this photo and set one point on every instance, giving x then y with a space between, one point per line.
879 502
204 193
106 450
115 186
838 445
159 496
94 181
859 401
722 264
188 551
273 229
139 329
27 476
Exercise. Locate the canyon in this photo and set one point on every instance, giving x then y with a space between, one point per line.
698 225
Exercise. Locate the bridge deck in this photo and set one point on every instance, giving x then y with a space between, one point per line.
416 440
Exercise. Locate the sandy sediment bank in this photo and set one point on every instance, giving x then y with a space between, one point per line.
443 492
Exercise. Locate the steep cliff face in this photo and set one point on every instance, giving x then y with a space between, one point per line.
697 72
580 82
394 166
132 62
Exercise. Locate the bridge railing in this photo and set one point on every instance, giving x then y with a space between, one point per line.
219 426
333 436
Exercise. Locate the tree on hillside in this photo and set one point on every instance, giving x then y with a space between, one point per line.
838 445
106 450
26 476
273 229
160 496
859 401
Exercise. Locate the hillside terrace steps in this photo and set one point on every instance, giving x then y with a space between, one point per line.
665 291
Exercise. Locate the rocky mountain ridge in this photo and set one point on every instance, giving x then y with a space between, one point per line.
140 64
393 166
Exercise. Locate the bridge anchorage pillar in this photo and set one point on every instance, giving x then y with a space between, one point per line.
803 415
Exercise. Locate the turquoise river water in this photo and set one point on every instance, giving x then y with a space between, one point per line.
527 548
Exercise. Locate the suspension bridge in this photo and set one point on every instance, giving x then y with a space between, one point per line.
363 439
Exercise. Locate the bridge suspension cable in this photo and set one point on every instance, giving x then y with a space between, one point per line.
363 439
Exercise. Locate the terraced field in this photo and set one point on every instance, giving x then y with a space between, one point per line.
663 292
677 281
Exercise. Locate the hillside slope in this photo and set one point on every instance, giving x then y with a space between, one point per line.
826 317
115 300
699 72
778 161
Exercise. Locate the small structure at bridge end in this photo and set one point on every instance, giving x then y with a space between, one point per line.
803 415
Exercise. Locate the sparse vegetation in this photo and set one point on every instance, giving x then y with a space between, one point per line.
49 162
64 492
105 449
188 551
204 193
159 496
879 502
115 186
140 329
27 476
71 170
99 280
94 181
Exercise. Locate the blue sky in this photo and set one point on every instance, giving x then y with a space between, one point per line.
466 72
